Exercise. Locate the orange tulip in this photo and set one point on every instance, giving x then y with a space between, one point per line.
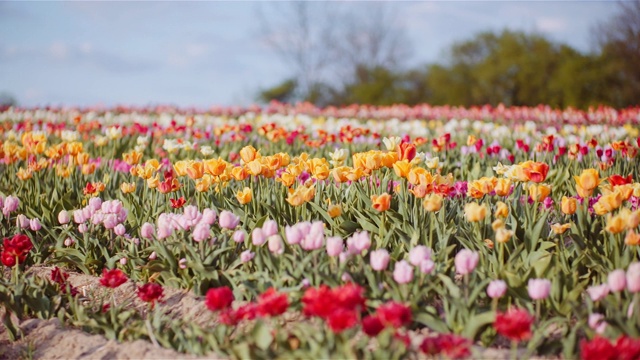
132 158
239 173
588 180
632 238
334 210
503 187
535 171
195 170
569 205
615 224
560 229
82 158
381 202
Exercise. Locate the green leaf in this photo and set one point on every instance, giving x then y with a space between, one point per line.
262 335
477 322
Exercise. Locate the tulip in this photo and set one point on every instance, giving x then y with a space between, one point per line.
539 192
110 221
201 232
403 272
63 217
418 254
426 266
315 237
466 261
244 196
633 277
432 203
597 322
147 230
239 236
381 202
228 220
153 256
503 235
539 288
568 205
334 210
11 204
275 244
475 212
209 216
68 242
617 280
497 289
119 230
258 237
83 228
123 261
269 228
599 292
379 259
293 234
334 246
22 221
246 256
78 217
502 210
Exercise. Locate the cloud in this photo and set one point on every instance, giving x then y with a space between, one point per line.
58 52
551 24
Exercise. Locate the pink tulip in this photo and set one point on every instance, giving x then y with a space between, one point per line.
68 242
228 220
257 237
95 203
403 272
246 256
269 228
119 230
597 293
597 323
78 217
97 218
201 232
315 238
293 234
182 264
63 217
83 228
11 204
496 289
379 259
110 221
239 236
209 216
147 230
22 221
633 277
334 246
466 261
153 256
418 254
539 289
426 266
617 280
275 244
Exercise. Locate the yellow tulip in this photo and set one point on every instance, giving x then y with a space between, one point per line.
475 212
334 210
244 196
560 228
569 205
381 202
502 210
127 188
539 192
433 202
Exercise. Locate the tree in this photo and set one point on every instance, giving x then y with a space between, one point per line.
619 42
326 45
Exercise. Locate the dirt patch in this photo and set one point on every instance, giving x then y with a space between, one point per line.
48 339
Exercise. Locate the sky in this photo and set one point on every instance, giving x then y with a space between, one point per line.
215 53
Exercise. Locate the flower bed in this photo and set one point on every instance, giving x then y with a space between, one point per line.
302 232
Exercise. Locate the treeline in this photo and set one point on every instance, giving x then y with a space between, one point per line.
511 67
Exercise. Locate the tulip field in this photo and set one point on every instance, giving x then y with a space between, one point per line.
290 231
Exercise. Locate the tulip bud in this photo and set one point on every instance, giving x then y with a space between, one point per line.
68 242
22 221
617 280
334 246
275 244
246 256
119 230
418 254
228 220
147 230
257 237
123 261
239 236
496 289
466 261
153 256
269 228
539 288
379 259
63 217
427 266
403 272
633 277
